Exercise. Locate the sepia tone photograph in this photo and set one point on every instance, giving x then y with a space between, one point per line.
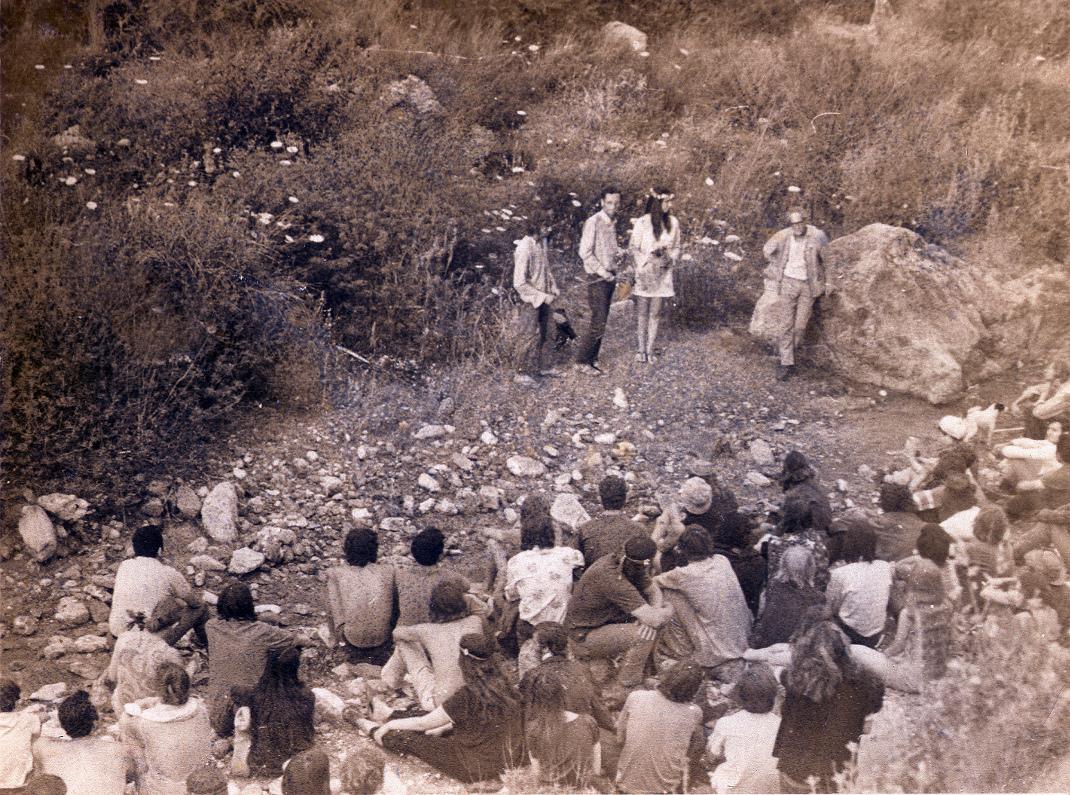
534 396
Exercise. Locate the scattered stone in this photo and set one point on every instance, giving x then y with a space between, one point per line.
329 706
617 33
428 483
551 451
490 498
551 418
623 450
605 438
432 431
756 479
54 692
511 516
38 533
841 486
488 438
206 563
99 609
24 625
761 453
89 644
187 502
393 524
524 467
568 510
73 142
462 462
153 507
65 507
445 407
866 471
72 612
245 561
620 400
361 517
84 669
58 646
219 513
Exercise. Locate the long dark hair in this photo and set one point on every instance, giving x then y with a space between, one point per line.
281 701
658 219
497 698
820 661
544 710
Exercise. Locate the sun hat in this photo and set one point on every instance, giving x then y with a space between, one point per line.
696 496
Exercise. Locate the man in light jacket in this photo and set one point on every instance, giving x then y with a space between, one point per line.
796 265
600 254
535 285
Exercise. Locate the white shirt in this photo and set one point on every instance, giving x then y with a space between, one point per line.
747 739
542 580
795 268
140 583
17 730
861 590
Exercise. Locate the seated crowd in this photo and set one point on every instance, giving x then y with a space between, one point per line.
707 646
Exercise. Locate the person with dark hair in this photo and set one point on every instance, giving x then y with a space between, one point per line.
238 649
581 696
796 267
858 591
88 765
281 709
828 697
735 543
539 580
563 745
744 740
430 651
535 285
168 736
601 256
486 718
934 545
899 525
209 780
362 600
414 586
660 732
711 620
655 248
307 773
605 533
362 771
798 479
790 593
617 609
143 581
17 732
44 785
796 529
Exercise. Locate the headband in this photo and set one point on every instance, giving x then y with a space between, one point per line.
474 656
662 196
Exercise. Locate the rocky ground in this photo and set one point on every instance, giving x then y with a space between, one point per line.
273 502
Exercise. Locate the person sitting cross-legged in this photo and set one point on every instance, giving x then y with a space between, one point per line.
362 600
603 534
88 765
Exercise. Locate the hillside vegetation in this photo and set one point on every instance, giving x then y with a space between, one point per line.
244 192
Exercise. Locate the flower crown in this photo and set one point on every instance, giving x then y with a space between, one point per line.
661 196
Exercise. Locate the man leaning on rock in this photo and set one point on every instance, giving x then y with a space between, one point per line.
795 263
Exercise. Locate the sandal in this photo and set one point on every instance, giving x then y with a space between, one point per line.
640 357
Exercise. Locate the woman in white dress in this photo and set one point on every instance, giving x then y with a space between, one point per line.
655 247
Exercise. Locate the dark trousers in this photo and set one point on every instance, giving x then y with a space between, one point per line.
599 296
534 328
862 640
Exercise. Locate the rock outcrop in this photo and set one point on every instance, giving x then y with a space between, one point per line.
618 33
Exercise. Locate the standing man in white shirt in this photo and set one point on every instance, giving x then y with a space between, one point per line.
795 263
535 285
600 255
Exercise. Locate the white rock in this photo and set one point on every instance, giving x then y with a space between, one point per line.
187 502
72 612
53 692
511 516
761 453
89 644
488 438
841 485
362 517
618 33
329 706
66 507
245 560
219 513
567 510
426 506
331 484
58 646
431 432
206 563
524 467
552 416
620 400
393 524
756 479
38 533
462 462
490 498
312 456
447 507
362 452
605 438
428 483
551 451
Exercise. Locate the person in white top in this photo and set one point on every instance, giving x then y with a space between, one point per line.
655 248
858 592
744 739
17 731
143 581
796 265
600 255
535 285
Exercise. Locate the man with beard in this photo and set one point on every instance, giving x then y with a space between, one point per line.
617 609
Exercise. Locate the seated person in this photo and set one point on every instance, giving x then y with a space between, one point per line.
362 600
539 578
934 545
735 543
281 709
563 745
744 740
88 765
799 480
661 734
858 591
307 773
363 770
1046 576
142 581
477 734
1055 379
796 529
691 506
603 534
616 608
238 650
431 650
17 732
44 785
1028 460
167 735
581 696
790 594
899 525
137 655
711 620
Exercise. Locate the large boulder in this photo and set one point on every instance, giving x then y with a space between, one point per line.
38 533
617 33
65 506
219 513
905 315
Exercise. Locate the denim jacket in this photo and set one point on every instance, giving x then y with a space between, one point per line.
776 255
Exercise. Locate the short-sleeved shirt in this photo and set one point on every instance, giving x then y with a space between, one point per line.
17 730
656 736
361 600
491 740
414 584
542 580
87 765
238 652
862 591
605 535
603 596
140 584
